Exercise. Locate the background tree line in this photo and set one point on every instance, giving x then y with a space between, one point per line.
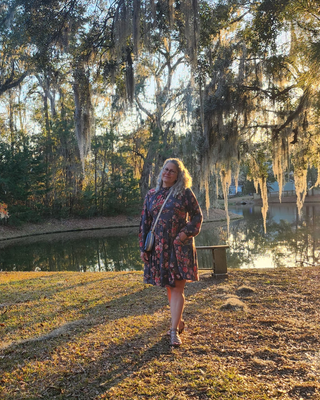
96 95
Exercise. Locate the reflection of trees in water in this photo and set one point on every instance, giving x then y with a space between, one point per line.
300 238
295 243
288 244
98 254
247 238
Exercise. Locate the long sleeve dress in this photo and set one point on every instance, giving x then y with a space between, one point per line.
170 258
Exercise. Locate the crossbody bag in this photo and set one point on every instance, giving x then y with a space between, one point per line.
149 242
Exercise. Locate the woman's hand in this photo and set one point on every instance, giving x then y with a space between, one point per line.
182 236
144 256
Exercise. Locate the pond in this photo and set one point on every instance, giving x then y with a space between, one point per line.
289 241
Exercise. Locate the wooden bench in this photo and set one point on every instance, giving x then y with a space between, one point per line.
219 259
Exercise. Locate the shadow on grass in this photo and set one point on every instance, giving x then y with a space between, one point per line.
126 359
54 288
118 360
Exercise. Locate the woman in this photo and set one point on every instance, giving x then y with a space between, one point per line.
172 260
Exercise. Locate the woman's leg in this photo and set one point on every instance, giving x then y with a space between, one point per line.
177 303
169 293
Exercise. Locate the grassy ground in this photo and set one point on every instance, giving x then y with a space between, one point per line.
102 336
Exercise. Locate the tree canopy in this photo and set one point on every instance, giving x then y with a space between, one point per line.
94 96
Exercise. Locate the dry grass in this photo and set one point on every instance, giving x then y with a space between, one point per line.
102 336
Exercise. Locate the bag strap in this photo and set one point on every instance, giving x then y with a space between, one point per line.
154 225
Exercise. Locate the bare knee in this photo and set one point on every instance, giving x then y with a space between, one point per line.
179 287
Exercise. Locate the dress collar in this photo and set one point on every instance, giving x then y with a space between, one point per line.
166 188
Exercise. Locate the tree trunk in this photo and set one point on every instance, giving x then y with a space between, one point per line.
47 146
103 180
146 172
95 175
11 124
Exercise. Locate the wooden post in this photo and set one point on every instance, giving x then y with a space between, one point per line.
219 262
219 259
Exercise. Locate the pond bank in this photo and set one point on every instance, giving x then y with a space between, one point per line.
103 336
8 232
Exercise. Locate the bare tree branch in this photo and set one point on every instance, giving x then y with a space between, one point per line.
142 108
11 83
294 114
138 153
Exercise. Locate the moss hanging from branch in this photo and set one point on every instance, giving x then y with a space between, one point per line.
207 192
264 195
225 175
122 28
317 183
225 110
136 25
129 76
84 114
135 22
190 13
237 105
221 134
300 164
258 174
280 157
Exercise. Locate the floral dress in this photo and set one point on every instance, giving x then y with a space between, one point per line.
170 258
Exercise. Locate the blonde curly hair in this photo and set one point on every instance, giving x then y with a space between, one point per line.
184 180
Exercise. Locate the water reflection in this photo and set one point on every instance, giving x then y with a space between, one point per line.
102 250
288 242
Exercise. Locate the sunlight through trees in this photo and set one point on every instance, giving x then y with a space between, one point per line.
94 96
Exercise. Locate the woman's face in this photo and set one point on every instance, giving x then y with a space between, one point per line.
169 174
